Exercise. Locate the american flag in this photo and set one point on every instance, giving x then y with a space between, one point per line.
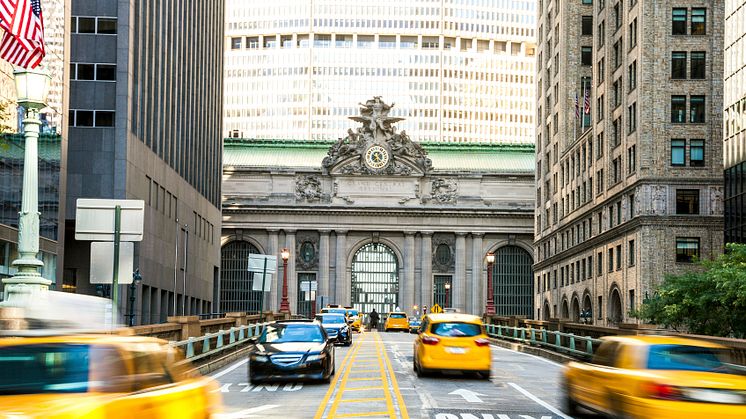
587 101
577 109
23 41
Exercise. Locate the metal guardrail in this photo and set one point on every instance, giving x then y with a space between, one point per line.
579 346
196 348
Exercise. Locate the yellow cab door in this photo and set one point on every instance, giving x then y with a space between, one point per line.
591 381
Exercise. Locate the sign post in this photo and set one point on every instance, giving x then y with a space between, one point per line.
115 277
266 265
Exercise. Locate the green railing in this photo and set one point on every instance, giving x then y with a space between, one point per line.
567 343
196 348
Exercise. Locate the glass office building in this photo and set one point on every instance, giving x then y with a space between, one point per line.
457 70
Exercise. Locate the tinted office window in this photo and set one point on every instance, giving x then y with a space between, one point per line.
697 153
698 65
104 119
586 55
687 201
697 109
587 25
83 118
106 72
85 72
86 25
678 109
107 26
678 22
699 21
687 248
678 65
677 152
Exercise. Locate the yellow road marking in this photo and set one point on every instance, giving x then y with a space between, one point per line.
364 388
395 385
370 399
333 384
364 379
360 415
387 394
343 383
362 371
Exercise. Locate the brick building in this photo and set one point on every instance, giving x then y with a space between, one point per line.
628 151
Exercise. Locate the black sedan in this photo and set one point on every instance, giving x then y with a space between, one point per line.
296 350
336 327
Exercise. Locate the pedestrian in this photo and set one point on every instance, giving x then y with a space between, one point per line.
373 319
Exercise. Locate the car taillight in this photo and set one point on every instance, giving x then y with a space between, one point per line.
429 340
662 391
482 342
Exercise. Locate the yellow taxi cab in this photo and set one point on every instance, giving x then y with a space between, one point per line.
396 321
354 318
657 377
452 342
100 376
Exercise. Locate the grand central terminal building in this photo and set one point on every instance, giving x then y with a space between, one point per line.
378 221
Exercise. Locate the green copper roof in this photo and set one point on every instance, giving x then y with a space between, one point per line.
480 158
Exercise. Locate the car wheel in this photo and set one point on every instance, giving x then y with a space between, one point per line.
418 369
254 380
485 375
569 405
617 408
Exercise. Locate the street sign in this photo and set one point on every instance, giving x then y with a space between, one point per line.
256 263
102 262
94 219
259 279
435 309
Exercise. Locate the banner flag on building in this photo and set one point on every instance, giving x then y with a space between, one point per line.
23 41
577 108
587 101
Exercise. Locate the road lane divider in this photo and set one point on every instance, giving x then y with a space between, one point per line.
393 384
337 378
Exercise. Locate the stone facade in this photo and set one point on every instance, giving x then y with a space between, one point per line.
618 201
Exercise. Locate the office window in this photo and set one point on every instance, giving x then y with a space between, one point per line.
678 109
697 153
687 248
631 159
86 25
633 34
698 65
616 131
599 109
586 55
631 206
678 147
610 256
236 43
106 72
632 118
601 33
599 263
104 119
697 109
252 42
631 300
687 201
632 75
617 54
678 22
587 25
587 1
699 21
619 257
86 72
83 118
601 70
618 15
107 26
678 65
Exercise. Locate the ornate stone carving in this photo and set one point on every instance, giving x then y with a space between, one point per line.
659 200
716 200
443 260
307 251
308 188
348 155
444 191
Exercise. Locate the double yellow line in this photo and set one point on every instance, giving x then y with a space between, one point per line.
387 378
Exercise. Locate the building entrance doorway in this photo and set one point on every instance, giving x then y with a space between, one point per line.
375 279
306 295
442 294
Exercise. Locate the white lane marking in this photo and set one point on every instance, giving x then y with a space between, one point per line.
247 413
468 395
229 369
530 355
539 401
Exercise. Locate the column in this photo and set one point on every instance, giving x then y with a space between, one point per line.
276 288
406 299
458 289
292 279
323 278
342 295
426 280
477 301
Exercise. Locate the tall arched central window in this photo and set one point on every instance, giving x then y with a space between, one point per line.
513 282
375 279
236 280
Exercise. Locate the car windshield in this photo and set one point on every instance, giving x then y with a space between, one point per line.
336 311
331 319
31 369
289 332
454 329
352 312
398 316
687 358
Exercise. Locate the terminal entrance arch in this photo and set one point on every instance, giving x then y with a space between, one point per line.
375 279
513 282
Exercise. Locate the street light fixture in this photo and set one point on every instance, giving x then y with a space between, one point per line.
136 279
31 89
285 304
448 291
490 308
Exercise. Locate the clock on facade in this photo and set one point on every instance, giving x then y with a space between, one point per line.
376 157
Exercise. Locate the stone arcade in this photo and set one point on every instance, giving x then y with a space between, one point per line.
379 221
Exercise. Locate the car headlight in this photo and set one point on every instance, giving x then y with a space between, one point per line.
259 358
315 357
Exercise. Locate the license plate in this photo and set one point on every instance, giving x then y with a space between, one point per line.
455 350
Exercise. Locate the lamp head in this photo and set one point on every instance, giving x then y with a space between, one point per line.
136 277
285 254
490 258
448 286
32 86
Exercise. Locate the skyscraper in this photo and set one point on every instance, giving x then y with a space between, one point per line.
145 108
458 71
631 189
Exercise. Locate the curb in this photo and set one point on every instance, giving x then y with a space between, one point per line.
532 350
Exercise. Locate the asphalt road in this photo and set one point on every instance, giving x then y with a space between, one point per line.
374 379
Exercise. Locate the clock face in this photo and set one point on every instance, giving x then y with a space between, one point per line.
376 157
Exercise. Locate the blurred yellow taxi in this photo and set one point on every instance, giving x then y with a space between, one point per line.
657 377
452 342
354 318
396 321
100 376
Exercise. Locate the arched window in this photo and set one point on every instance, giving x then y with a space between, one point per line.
375 279
236 280
513 282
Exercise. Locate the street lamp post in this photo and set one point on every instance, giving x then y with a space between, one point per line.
136 279
448 292
284 304
490 308
31 88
